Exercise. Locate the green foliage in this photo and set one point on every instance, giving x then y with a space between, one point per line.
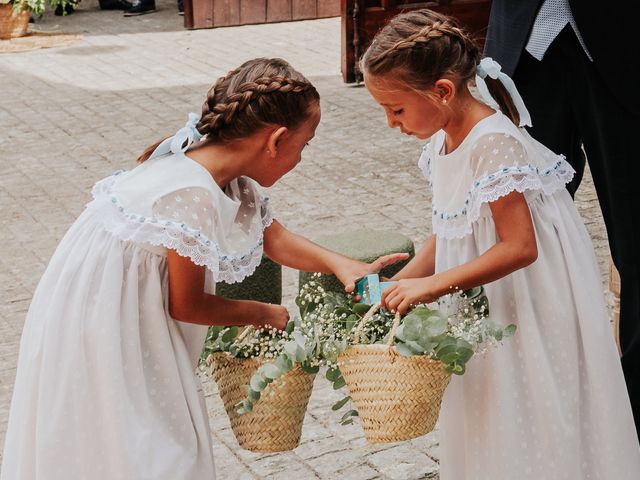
451 340
330 322
37 7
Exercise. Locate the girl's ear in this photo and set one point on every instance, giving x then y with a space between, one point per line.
445 89
273 142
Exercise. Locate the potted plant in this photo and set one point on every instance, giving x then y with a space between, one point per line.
15 14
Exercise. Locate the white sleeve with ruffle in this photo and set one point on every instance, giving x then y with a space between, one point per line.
221 231
500 163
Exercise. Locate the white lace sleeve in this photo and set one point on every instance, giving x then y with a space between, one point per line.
424 163
189 206
266 212
235 240
501 164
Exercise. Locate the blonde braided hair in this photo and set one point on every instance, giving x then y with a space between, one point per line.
259 93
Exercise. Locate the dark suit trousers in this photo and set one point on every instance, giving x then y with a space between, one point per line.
570 107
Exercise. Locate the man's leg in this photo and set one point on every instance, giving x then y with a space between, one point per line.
609 133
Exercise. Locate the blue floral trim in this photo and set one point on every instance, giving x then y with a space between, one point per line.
483 182
187 241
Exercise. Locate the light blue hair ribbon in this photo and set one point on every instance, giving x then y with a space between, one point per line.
182 140
491 68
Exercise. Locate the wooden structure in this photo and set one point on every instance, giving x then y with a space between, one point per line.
361 20
222 13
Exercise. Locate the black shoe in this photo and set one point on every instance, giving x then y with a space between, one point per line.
68 10
141 7
115 5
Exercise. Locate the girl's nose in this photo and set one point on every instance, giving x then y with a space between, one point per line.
392 122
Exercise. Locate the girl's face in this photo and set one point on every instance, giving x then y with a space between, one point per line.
285 150
413 113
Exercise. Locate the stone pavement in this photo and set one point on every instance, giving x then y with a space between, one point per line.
71 116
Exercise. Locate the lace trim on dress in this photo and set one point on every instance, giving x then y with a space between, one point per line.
423 163
505 180
187 241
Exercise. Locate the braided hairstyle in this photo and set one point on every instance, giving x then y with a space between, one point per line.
261 92
418 48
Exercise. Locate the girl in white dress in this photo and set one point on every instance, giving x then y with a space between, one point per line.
551 403
105 386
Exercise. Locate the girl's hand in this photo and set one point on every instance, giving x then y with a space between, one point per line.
349 273
403 295
275 316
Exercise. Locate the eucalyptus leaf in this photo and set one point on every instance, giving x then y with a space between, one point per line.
257 382
333 374
415 347
229 334
299 339
253 395
339 383
271 370
413 328
349 415
436 324
404 350
291 348
351 321
341 403
309 369
291 324
283 363
509 330
244 407
361 308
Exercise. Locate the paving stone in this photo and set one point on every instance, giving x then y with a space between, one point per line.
404 463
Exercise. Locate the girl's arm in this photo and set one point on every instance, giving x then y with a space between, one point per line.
516 248
295 251
423 264
189 303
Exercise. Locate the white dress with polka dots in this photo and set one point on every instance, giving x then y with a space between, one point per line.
106 386
551 402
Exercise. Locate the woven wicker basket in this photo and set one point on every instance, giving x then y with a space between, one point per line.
13 24
275 424
398 398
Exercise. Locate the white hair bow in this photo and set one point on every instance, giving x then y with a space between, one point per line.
182 140
491 68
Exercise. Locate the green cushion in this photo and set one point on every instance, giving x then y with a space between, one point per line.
365 245
265 285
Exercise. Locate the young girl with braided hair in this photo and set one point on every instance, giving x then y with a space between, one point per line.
105 386
551 402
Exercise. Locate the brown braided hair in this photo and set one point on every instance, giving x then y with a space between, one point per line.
261 92
420 47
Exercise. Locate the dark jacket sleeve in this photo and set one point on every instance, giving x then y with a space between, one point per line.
609 32
510 23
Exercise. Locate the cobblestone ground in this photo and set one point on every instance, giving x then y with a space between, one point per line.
71 116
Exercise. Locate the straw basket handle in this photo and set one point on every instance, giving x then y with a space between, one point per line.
367 316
